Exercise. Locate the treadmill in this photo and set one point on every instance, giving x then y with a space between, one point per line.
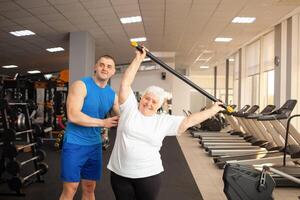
236 134
201 133
274 152
256 139
257 142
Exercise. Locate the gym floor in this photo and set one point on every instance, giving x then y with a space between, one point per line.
188 170
209 177
178 182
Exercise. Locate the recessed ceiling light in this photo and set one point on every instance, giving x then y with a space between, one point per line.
140 39
223 39
9 66
55 49
231 59
204 67
34 72
243 20
47 76
129 20
22 33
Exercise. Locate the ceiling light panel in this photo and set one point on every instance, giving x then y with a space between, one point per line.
243 20
140 39
22 33
34 72
9 66
130 20
223 39
55 49
204 67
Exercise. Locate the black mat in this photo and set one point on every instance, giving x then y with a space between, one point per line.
178 182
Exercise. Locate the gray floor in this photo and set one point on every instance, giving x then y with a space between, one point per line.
209 178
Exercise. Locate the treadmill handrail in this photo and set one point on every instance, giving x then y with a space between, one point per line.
286 137
285 175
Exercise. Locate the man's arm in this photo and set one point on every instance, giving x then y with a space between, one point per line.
129 75
75 102
199 117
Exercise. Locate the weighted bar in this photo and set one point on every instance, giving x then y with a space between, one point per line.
17 182
14 167
180 76
11 151
10 134
22 132
17 104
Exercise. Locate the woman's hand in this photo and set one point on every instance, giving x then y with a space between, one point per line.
217 107
140 56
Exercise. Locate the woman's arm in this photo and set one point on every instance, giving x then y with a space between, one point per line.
199 117
129 75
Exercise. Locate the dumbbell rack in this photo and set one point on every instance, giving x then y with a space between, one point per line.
9 140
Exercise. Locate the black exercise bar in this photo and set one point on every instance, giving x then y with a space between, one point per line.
180 76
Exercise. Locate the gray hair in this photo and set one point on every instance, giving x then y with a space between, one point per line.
158 92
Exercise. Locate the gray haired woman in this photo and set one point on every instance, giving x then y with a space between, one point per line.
135 162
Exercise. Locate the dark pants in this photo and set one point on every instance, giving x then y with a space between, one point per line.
135 189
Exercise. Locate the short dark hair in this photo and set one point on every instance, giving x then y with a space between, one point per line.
107 56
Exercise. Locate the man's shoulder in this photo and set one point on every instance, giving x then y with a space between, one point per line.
110 89
84 79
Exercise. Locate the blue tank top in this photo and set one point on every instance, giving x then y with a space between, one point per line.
97 103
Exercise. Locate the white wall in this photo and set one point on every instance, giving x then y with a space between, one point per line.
197 101
144 79
181 96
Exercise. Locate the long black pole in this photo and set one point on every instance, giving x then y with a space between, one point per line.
180 76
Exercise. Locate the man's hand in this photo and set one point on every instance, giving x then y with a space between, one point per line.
111 122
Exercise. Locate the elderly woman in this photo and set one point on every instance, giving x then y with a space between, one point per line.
135 162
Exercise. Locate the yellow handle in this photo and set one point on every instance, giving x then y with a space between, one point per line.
229 109
134 44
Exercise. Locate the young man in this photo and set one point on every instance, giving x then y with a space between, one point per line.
88 102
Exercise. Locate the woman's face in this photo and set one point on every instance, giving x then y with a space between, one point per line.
149 104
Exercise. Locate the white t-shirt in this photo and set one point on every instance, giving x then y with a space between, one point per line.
139 139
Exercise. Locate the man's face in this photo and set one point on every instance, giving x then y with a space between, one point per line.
104 69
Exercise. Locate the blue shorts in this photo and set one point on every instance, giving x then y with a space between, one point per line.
81 162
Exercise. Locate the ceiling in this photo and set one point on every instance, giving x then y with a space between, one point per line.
186 27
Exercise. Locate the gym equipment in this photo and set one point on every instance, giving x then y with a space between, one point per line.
291 170
180 76
14 167
282 174
243 182
272 125
17 182
11 134
105 139
11 151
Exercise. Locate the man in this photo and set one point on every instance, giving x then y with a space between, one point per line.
89 100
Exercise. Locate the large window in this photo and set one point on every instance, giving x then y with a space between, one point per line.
252 73
268 83
234 62
270 86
